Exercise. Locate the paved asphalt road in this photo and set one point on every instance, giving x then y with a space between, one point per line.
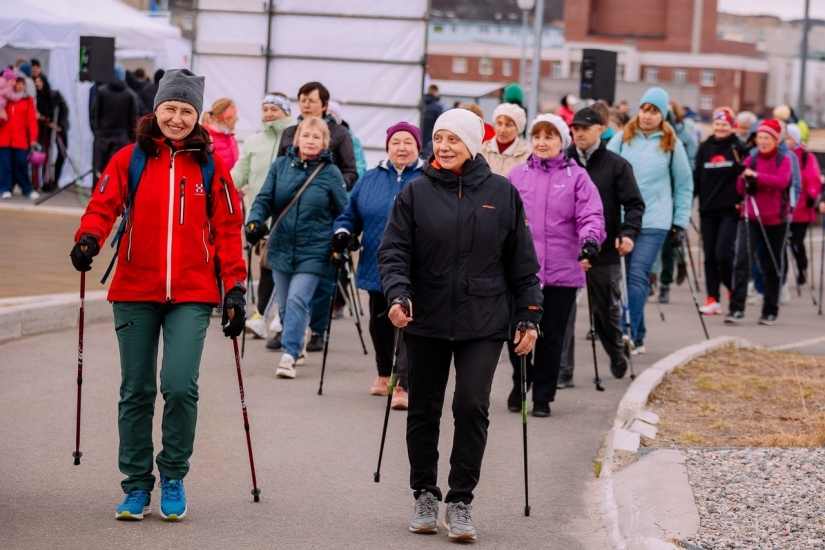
315 456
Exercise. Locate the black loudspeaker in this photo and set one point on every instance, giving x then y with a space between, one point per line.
97 59
598 77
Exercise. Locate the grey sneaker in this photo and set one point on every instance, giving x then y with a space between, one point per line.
425 516
458 522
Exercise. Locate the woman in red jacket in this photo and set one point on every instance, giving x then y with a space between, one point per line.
17 135
805 212
220 122
765 184
174 238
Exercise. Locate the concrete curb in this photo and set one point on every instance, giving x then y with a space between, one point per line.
30 315
21 207
650 504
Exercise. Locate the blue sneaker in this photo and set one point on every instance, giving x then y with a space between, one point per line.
135 505
172 499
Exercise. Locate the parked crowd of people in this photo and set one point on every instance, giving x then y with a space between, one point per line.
470 235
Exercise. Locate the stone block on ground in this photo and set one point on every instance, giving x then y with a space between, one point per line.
642 428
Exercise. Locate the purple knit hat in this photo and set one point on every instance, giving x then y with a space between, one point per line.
404 127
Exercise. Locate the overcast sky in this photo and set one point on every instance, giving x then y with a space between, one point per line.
786 9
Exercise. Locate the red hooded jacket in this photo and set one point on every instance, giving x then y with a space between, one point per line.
170 245
772 188
20 130
811 186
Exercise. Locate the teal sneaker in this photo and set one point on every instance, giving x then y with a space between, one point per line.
172 499
135 505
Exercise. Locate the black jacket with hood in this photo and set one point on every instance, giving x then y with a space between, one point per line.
115 109
613 177
340 144
714 178
459 246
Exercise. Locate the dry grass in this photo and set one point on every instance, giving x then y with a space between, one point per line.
743 398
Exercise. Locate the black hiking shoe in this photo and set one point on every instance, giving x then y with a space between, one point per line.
734 318
664 294
514 401
619 369
316 342
769 320
275 343
565 382
541 409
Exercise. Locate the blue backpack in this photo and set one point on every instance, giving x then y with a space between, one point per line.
137 164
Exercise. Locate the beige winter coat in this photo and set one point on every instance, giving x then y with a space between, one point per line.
502 163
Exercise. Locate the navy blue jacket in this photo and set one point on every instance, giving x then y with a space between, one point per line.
368 211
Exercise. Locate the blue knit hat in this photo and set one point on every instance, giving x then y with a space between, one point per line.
657 97
25 68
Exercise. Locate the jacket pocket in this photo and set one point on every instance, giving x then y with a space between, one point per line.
124 325
182 200
486 286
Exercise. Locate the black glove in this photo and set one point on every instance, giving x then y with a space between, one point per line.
750 185
677 236
340 241
810 202
255 231
681 273
83 251
354 243
590 251
234 300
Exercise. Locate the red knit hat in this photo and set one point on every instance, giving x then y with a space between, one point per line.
771 127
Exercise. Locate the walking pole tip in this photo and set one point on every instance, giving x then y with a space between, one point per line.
256 495
376 477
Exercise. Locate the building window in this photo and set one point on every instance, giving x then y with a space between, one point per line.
438 28
679 76
506 68
652 74
485 66
706 102
556 69
575 69
708 78
460 65
619 72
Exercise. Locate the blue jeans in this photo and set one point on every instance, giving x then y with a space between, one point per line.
639 266
319 307
14 165
294 292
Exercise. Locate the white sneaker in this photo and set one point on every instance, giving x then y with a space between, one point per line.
256 325
275 326
711 307
6 195
34 195
751 288
756 300
784 294
638 350
286 368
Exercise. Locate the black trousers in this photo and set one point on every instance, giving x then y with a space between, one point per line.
266 285
718 243
61 158
475 365
543 370
605 285
568 350
105 147
382 332
798 232
749 233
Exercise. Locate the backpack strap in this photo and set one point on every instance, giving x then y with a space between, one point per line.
137 164
208 175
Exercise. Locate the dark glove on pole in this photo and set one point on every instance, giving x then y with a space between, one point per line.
340 242
750 185
83 251
677 236
590 251
233 324
255 231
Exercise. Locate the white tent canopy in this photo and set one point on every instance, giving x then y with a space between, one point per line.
25 27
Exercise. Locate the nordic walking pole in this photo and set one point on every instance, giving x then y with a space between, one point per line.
693 292
352 272
821 264
256 493
393 376
626 338
794 268
596 380
77 454
336 257
523 359
811 256
352 293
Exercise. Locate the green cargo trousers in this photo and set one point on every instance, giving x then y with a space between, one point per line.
138 326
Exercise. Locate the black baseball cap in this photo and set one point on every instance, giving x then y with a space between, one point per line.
587 117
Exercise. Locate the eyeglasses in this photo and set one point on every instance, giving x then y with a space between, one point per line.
306 101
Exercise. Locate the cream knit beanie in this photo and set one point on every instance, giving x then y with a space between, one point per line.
467 126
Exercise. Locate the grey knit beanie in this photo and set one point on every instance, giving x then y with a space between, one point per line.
181 85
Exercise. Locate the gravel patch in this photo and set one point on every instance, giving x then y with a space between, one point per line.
758 498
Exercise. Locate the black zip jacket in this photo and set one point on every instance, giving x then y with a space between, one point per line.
340 144
115 109
714 178
617 187
459 246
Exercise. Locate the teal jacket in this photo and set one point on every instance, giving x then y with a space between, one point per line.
301 243
664 179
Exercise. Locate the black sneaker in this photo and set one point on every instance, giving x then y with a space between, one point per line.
769 320
316 342
734 317
664 294
514 401
541 409
565 382
590 335
619 369
275 343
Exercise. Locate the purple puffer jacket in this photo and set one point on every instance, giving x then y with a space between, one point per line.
564 209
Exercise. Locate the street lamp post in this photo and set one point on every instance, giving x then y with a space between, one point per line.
806 25
535 69
525 6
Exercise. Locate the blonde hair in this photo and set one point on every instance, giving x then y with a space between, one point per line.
313 122
668 141
474 108
218 108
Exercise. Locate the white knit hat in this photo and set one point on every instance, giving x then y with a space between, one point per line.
560 125
514 113
794 133
466 125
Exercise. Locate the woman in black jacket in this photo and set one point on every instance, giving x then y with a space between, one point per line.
457 243
714 182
